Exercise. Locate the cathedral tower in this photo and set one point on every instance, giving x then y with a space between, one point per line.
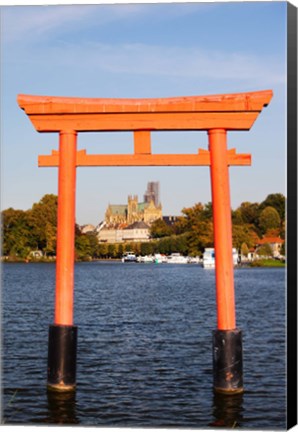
132 209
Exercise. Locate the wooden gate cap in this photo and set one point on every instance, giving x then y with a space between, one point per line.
236 111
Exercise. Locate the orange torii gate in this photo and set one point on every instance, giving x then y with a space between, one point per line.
215 114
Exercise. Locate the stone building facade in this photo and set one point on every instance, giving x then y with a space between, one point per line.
136 232
127 214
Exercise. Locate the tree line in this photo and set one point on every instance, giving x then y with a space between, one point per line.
250 223
24 231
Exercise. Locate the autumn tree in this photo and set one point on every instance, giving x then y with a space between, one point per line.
237 217
24 231
243 234
244 249
197 226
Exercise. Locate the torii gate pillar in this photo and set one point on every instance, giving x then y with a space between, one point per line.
63 334
215 114
227 339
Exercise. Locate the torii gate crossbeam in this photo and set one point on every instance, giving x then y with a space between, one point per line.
215 114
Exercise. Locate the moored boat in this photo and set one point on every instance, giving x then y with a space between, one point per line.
160 259
129 257
147 259
209 258
194 260
176 258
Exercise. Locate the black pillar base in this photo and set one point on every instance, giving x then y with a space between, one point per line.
227 361
62 356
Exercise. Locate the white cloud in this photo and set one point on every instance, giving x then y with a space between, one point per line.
33 22
173 61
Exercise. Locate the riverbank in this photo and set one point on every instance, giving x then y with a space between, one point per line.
257 263
50 260
267 263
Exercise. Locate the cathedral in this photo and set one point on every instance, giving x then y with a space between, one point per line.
127 214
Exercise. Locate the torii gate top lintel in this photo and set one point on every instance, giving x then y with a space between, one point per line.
224 112
236 111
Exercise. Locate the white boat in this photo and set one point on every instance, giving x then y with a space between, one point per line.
145 259
176 258
129 257
235 257
209 257
160 259
194 260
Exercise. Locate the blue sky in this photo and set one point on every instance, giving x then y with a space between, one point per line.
142 50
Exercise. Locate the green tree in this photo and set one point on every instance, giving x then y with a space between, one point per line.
283 249
82 247
159 229
182 244
277 201
164 246
207 212
147 248
197 226
237 217
86 245
269 219
249 212
200 237
265 250
93 242
243 234
119 250
43 221
51 239
112 250
130 247
190 217
18 238
102 250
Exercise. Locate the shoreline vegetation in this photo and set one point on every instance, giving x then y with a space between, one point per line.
270 262
258 231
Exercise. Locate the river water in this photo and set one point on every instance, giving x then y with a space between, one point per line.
144 347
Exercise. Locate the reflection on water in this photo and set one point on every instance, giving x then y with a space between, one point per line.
61 407
227 410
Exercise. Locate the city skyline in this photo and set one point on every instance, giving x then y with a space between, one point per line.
142 50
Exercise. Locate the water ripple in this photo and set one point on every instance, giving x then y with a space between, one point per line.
144 347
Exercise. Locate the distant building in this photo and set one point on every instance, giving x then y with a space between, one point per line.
170 220
152 193
110 236
274 242
87 228
131 222
121 215
136 232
